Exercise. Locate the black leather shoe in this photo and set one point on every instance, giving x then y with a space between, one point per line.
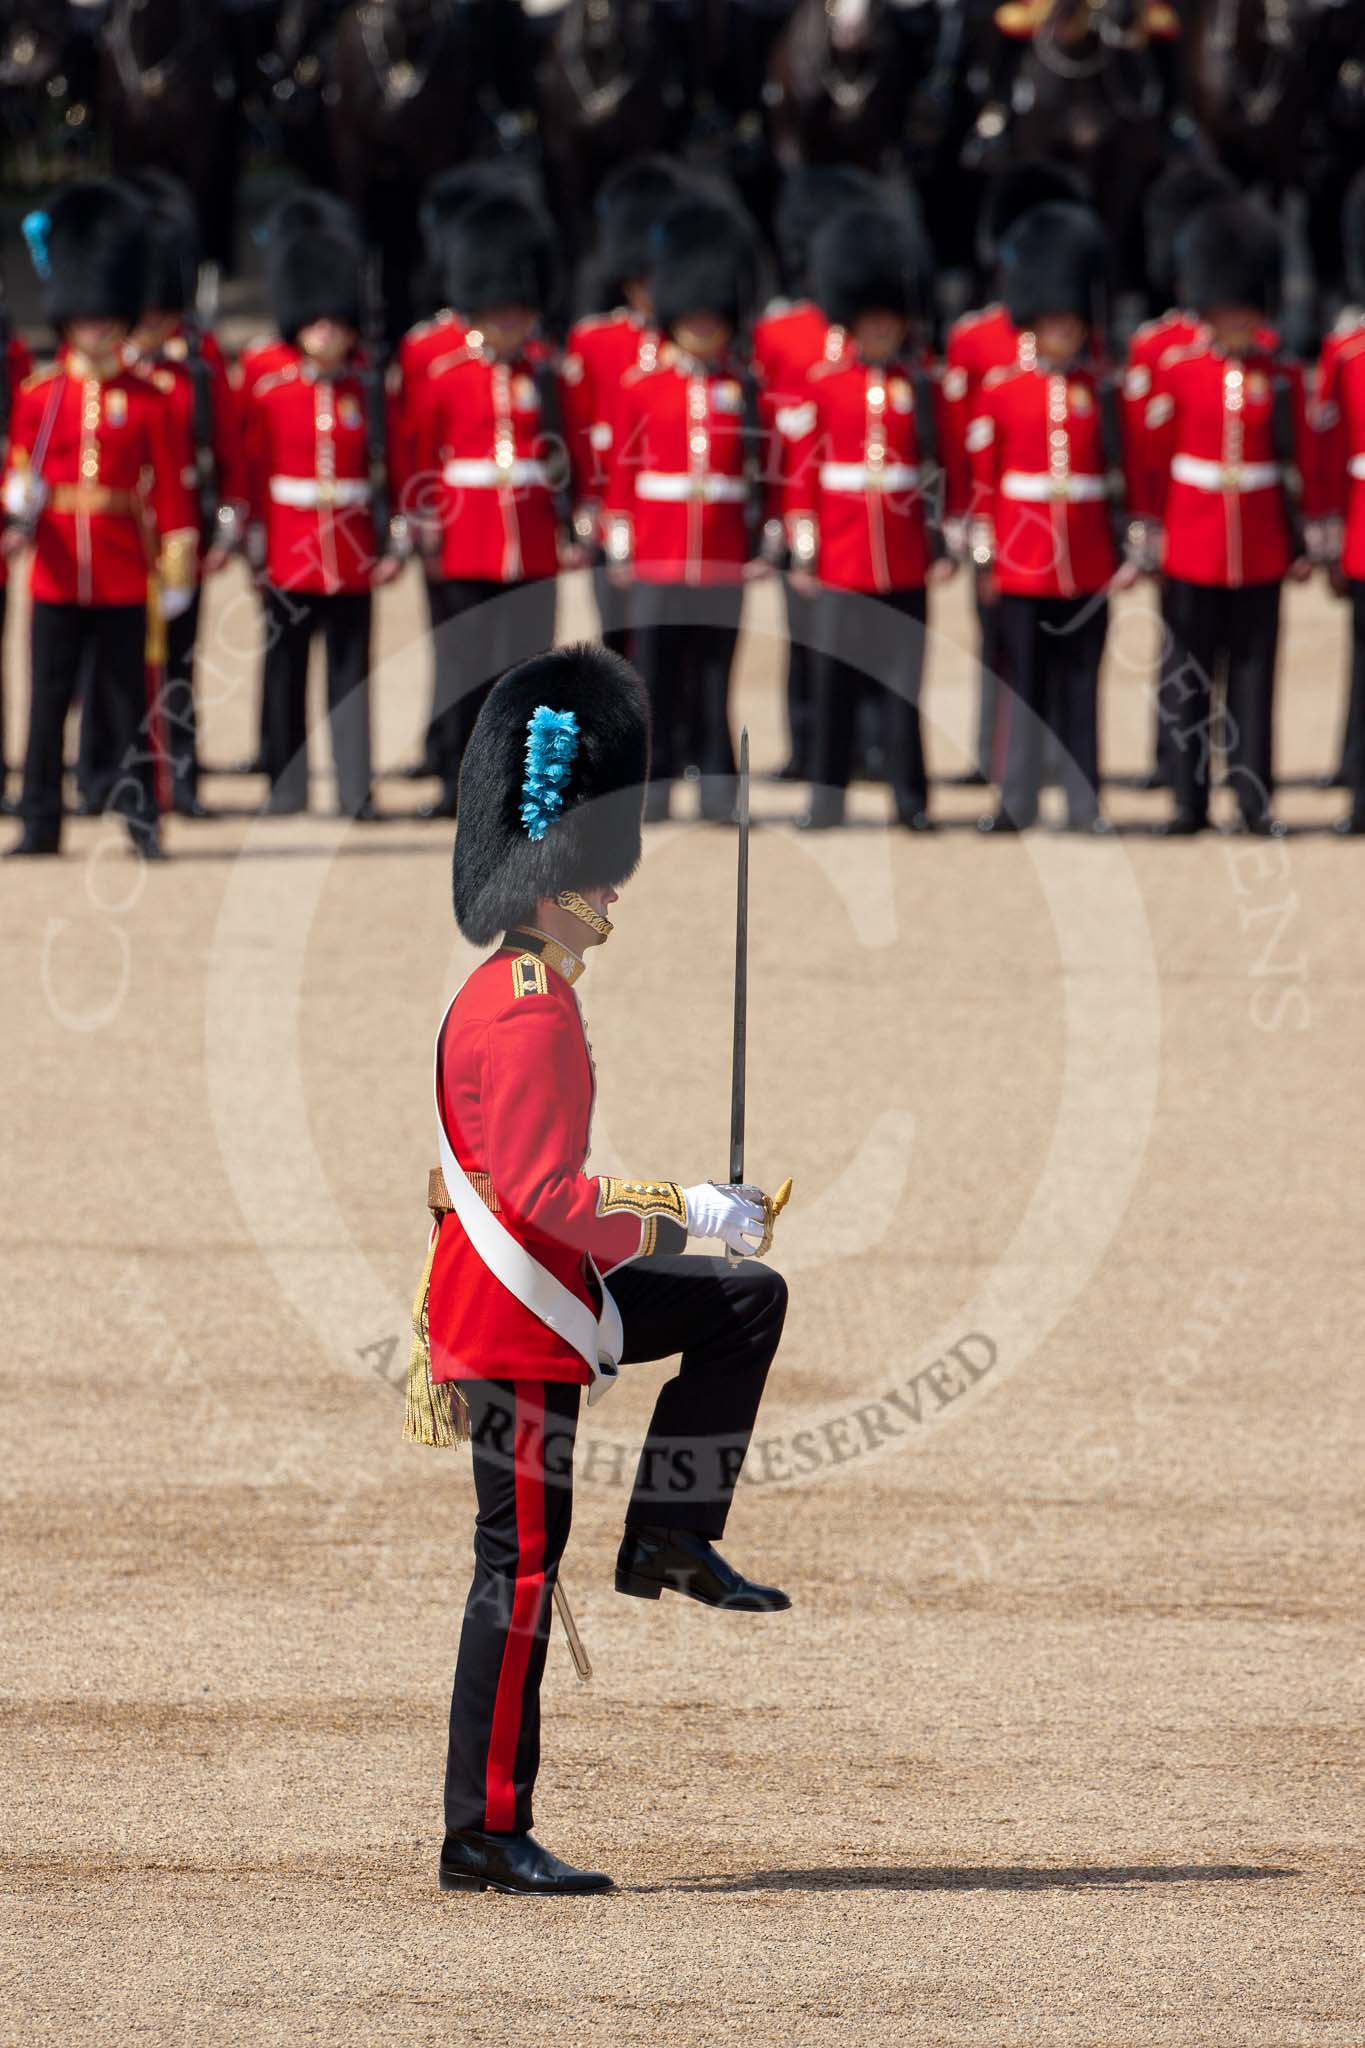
32 845
89 807
654 1560
996 825
1182 825
1097 827
915 821
1352 826
277 806
148 846
190 807
1260 825
364 813
825 812
446 805
472 1862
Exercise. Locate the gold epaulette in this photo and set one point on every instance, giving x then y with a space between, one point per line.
530 976
996 377
286 374
37 377
440 364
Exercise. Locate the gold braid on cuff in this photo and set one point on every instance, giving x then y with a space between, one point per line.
641 1198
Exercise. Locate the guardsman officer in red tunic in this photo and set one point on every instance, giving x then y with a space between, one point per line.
861 510
1341 408
93 484
681 502
790 338
489 433
545 1277
979 342
605 344
1043 513
1241 477
308 437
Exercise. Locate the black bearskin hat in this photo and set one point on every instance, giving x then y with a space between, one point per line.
867 259
1172 199
451 191
500 251
315 277
173 265
1353 237
1052 261
566 735
809 196
1035 181
90 248
1229 254
705 261
629 206
306 211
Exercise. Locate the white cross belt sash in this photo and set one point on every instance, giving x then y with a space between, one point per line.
306 493
1204 475
861 476
481 473
598 1340
675 487
1037 487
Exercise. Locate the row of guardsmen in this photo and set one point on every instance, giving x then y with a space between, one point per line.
682 450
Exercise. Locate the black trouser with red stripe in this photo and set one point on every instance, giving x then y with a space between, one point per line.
1230 637
726 1321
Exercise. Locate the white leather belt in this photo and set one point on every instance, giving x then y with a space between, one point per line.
1038 487
1224 476
1356 468
860 476
483 474
307 493
666 487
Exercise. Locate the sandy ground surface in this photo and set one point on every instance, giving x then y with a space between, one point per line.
1061 1459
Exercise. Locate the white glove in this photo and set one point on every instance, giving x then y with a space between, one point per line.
735 1215
25 494
175 602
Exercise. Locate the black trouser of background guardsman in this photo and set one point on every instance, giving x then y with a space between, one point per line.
1352 773
685 639
481 630
841 683
292 618
1218 639
726 1321
1052 649
103 647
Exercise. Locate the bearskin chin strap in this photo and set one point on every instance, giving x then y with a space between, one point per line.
570 900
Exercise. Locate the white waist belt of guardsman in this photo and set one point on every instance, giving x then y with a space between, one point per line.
1205 475
599 1340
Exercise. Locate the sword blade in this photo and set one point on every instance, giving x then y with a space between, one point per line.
741 1031
575 1641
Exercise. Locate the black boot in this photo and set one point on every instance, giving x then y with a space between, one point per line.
654 1560
1352 826
473 1862
1182 825
825 812
33 843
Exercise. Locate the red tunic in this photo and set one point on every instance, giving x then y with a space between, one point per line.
116 495
515 1089
480 432
226 439
308 478
407 378
677 496
854 508
976 343
597 356
1341 407
1210 418
1039 496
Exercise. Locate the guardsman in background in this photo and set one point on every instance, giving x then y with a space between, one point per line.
570 1275
1173 200
1241 474
790 338
1045 446
310 211
976 344
489 430
186 364
15 365
1325 414
617 336
308 438
862 515
684 514
1340 417
93 484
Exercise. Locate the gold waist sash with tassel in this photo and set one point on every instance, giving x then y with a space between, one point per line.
436 1412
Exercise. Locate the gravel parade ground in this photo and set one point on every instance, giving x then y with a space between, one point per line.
1060 1461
